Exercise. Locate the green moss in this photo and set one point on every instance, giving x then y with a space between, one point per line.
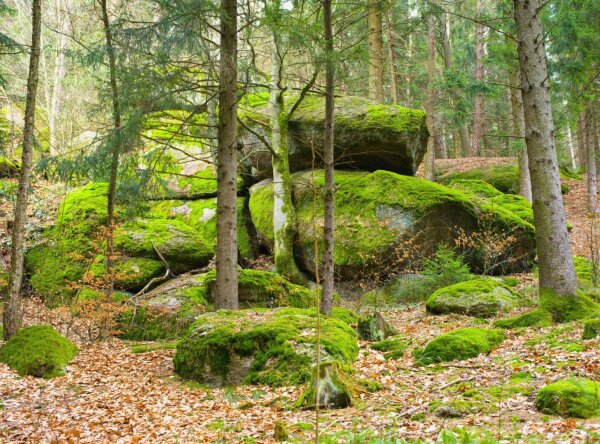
4 281
558 338
566 172
8 168
393 348
268 347
39 351
83 210
576 398
337 389
537 318
459 344
591 329
584 270
478 297
503 177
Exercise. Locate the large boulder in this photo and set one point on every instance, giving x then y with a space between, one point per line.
380 216
272 347
38 350
169 309
464 343
367 136
478 297
572 398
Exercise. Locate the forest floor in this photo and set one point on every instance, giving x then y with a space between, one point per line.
112 395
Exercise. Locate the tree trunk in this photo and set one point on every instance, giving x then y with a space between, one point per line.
226 258
328 198
284 214
59 77
478 115
392 56
572 154
516 101
581 140
463 131
555 261
430 165
591 159
375 40
12 317
439 142
116 145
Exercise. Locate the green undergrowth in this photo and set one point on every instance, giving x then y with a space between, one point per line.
392 348
278 346
38 350
558 338
591 329
575 398
459 344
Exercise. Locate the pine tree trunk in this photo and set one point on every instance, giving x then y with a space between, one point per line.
430 165
329 196
582 140
478 115
116 148
518 117
555 261
572 154
12 316
392 56
375 40
226 258
591 159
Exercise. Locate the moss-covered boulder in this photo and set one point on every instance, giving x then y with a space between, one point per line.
392 348
478 297
8 168
367 136
502 176
572 398
591 329
335 386
378 213
272 347
464 343
38 350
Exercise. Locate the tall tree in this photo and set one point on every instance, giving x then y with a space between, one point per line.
392 55
478 114
592 186
375 40
12 317
328 198
556 270
226 256
430 106
518 120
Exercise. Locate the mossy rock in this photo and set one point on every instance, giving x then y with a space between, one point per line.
374 328
591 329
182 247
572 398
504 177
130 273
336 388
83 210
367 136
38 350
376 212
8 168
392 348
271 347
479 297
461 344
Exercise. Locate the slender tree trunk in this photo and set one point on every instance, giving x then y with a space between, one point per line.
463 130
518 117
328 198
59 77
284 213
591 159
227 257
375 40
116 148
392 56
478 115
555 260
12 317
572 154
440 142
582 140
430 165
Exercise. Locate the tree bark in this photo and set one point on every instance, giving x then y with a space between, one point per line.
430 164
392 56
227 252
555 260
572 154
478 115
328 198
375 40
59 77
582 140
591 159
116 144
12 316
518 117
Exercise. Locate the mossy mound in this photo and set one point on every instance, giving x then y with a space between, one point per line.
377 212
393 348
591 329
572 398
38 350
336 388
503 177
584 271
464 343
8 168
478 297
367 136
169 309
272 347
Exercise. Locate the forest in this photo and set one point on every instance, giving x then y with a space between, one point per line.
257 221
